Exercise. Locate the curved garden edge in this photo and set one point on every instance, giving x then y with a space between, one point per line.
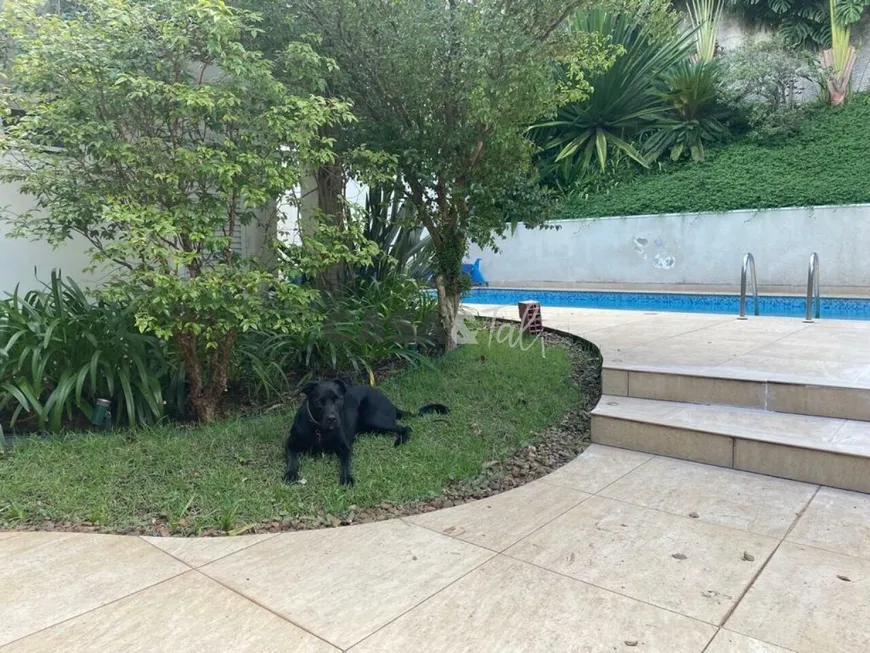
554 447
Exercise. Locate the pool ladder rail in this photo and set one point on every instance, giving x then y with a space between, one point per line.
813 289
748 268
814 301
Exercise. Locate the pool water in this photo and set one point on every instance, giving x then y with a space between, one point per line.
841 308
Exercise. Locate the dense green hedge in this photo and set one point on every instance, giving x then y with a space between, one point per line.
828 162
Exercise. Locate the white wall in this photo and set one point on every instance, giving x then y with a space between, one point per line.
288 212
702 249
18 257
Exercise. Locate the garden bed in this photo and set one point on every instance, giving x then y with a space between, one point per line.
515 416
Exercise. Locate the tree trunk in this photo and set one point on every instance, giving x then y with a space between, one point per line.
206 395
838 82
448 309
330 195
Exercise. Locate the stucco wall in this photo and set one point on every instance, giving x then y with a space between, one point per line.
19 257
694 249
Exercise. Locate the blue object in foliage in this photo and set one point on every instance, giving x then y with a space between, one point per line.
473 271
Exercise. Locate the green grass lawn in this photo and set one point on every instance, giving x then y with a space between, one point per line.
828 162
227 475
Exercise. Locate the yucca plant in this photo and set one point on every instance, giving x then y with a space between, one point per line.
404 248
695 117
60 352
624 104
705 16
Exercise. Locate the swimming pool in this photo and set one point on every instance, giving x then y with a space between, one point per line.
840 308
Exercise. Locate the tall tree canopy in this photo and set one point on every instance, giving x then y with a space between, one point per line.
448 89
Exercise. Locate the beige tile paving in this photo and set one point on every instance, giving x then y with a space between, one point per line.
837 521
660 353
502 520
762 347
4 535
696 389
728 642
187 614
854 436
847 349
811 466
630 549
828 401
596 468
749 502
774 327
628 407
48 577
776 368
343 584
664 440
800 603
706 422
198 551
614 382
507 606
784 427
728 420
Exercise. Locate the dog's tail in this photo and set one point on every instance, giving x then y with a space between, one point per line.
439 409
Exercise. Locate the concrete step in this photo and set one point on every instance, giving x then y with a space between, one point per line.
780 393
822 450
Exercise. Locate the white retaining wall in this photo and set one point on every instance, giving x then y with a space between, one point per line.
691 249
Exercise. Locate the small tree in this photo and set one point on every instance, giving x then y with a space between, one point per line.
153 132
449 88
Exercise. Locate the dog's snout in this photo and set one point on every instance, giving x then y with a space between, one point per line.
330 419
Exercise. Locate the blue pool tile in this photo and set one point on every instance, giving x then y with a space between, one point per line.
783 306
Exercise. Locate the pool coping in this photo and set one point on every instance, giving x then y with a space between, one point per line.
766 291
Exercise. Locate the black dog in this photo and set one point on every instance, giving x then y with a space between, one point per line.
334 413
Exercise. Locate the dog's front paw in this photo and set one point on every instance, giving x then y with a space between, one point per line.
403 437
347 480
289 479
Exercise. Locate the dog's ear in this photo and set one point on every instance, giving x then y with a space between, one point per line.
343 385
308 387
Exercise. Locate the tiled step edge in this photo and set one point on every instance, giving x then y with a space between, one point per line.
727 446
783 396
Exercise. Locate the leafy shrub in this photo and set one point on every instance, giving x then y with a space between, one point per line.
624 105
828 162
61 352
174 137
695 115
377 321
764 81
619 170
380 321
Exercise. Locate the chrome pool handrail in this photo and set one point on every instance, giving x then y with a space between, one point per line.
813 289
748 266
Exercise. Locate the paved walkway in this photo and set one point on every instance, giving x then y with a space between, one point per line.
616 551
769 348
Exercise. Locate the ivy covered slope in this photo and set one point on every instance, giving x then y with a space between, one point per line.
827 162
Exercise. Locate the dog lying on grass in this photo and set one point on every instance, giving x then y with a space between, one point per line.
334 413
